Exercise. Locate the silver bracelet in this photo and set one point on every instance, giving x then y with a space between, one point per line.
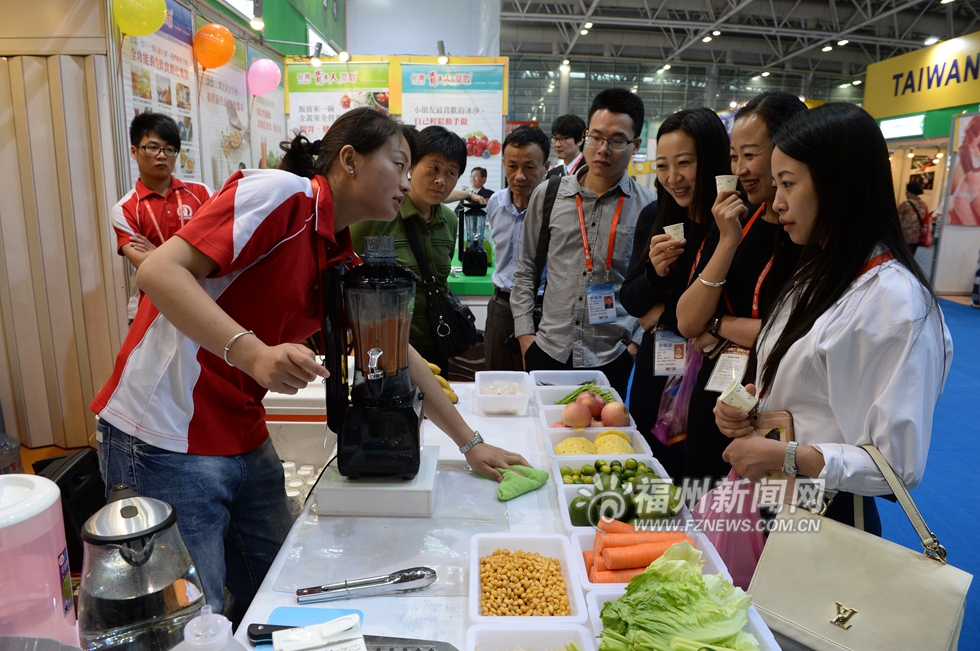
711 284
233 340
472 443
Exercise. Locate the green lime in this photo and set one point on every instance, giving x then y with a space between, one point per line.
567 479
629 474
566 470
642 467
578 480
616 464
588 471
599 463
605 470
631 464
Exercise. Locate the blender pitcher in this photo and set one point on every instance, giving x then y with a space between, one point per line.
380 434
474 255
139 586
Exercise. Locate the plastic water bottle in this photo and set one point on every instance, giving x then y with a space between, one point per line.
9 451
208 632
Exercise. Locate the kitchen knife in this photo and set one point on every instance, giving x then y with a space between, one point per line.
262 634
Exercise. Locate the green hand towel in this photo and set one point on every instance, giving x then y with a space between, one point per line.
514 484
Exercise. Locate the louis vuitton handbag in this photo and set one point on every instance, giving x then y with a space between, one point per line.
842 589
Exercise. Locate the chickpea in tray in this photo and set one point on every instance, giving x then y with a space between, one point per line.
521 584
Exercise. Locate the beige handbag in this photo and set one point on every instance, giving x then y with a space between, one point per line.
840 588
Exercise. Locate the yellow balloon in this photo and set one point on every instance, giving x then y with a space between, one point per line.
139 17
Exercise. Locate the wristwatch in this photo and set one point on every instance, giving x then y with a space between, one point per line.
472 443
789 463
713 327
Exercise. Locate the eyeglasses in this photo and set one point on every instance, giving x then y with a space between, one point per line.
561 138
615 144
154 150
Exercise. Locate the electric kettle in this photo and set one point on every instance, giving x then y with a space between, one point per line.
139 585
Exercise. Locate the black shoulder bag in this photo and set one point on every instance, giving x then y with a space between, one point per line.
453 324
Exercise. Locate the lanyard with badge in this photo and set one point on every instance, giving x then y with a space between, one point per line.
669 349
600 299
182 214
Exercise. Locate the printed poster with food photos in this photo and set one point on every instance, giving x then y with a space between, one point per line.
157 75
466 99
267 119
320 95
224 118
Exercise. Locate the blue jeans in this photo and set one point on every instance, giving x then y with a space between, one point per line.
231 511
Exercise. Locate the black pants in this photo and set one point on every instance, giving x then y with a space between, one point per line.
644 403
618 370
500 327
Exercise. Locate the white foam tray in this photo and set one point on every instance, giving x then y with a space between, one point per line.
568 378
546 544
548 396
528 637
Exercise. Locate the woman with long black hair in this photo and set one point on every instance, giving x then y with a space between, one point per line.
692 148
751 259
855 347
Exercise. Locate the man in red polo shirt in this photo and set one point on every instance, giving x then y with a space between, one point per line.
160 204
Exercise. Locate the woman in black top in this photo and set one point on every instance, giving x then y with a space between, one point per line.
692 148
751 258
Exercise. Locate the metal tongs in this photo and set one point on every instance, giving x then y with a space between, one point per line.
414 578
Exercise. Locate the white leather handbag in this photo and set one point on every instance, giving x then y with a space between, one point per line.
842 589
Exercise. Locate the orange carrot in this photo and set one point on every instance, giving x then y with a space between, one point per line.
589 555
614 526
621 558
616 576
599 564
604 540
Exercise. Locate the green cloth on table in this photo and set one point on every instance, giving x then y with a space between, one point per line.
514 484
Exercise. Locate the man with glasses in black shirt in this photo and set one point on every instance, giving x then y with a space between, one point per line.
567 132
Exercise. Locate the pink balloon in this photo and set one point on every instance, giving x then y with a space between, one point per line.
264 75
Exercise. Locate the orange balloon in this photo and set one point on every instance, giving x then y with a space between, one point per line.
214 46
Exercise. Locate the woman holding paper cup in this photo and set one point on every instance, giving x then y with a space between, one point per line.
751 259
692 148
855 346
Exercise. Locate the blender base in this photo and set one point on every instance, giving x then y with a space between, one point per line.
380 496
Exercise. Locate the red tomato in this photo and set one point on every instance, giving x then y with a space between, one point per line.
345 102
494 147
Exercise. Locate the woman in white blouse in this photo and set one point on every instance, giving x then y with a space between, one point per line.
855 348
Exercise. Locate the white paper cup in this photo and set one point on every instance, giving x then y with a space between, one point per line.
726 182
736 396
676 231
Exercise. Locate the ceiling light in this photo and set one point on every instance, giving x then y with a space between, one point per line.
551 89
826 48
635 88
584 32
911 154
342 54
732 104
257 23
716 33
756 78
945 2
932 40
843 42
765 73
587 25
856 82
935 161
706 39
666 66
315 60
940 155
802 99
564 62
565 67
443 57
660 72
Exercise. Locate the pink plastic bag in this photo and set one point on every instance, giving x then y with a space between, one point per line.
671 427
730 519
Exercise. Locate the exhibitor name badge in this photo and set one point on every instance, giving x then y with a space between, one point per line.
601 303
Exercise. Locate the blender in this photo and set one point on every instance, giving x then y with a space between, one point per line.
379 430
472 253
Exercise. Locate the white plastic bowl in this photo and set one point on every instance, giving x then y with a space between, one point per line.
528 637
546 544
555 436
508 404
